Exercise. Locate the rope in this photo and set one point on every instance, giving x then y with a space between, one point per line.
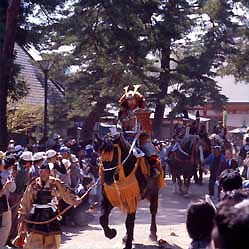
131 148
58 216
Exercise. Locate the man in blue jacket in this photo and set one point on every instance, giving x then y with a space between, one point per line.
217 163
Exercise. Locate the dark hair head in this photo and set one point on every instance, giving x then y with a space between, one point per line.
9 161
200 220
230 180
233 197
232 226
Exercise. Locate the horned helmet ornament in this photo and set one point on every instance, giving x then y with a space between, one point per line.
132 93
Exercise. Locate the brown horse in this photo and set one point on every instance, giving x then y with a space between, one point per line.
183 161
119 165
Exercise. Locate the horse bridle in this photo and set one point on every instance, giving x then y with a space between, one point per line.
129 154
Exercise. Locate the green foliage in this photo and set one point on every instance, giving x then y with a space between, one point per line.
24 118
114 43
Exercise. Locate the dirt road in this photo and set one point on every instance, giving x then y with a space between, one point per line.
170 219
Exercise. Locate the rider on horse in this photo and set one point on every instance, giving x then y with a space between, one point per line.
136 126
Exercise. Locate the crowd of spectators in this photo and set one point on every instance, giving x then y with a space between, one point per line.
74 164
223 222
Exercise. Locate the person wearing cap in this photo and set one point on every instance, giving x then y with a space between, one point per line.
217 163
75 172
22 180
39 158
7 185
55 165
18 150
11 145
65 153
39 203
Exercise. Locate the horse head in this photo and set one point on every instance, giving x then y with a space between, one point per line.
113 151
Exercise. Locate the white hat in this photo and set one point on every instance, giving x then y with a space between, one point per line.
27 156
74 159
39 156
50 153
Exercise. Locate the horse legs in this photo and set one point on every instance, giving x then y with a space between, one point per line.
129 223
153 211
186 186
174 183
180 184
106 208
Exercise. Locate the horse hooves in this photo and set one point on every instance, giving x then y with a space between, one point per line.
153 237
128 246
111 234
124 239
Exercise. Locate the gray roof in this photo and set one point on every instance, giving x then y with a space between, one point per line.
33 77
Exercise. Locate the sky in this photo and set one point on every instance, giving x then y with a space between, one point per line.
235 91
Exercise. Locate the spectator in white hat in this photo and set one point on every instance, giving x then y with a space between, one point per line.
66 161
55 165
75 173
22 180
39 158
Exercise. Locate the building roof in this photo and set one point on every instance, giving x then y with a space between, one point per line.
33 77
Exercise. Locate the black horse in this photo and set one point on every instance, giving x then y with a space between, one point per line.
147 186
183 161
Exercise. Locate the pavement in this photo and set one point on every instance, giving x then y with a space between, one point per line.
170 219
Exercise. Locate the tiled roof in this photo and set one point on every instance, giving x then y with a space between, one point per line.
33 76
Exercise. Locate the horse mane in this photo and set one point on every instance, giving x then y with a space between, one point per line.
125 147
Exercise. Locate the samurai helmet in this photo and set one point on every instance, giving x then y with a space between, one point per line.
128 94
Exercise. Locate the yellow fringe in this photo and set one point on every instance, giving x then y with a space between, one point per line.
160 180
124 194
145 167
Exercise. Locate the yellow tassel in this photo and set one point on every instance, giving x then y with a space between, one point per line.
124 194
145 168
160 180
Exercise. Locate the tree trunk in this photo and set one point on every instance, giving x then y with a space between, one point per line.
6 63
92 118
163 85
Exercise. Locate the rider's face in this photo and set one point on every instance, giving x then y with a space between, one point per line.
44 174
132 103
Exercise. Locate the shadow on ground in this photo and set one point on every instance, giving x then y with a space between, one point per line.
171 219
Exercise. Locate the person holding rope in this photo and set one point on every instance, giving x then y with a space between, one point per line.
38 210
